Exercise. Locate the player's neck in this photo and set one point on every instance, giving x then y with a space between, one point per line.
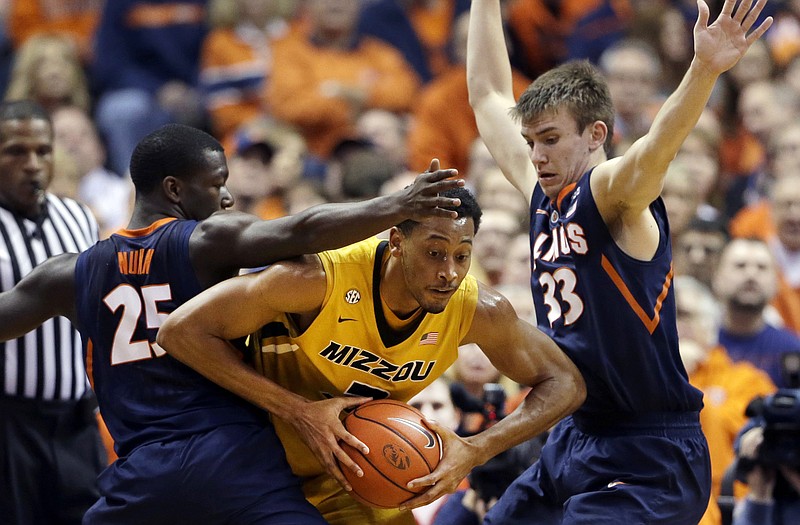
394 293
144 214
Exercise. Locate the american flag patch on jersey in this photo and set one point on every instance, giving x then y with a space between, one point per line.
431 338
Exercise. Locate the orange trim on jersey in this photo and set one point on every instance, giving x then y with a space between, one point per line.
141 232
89 363
155 16
563 193
649 322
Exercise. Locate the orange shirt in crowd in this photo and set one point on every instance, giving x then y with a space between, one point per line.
444 125
728 388
74 18
296 92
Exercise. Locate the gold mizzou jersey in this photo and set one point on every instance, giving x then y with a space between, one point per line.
350 347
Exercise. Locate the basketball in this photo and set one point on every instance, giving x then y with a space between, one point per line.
401 448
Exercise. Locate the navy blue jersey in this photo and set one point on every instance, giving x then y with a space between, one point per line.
613 315
125 287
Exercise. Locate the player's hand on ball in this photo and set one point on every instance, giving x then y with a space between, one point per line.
458 458
322 430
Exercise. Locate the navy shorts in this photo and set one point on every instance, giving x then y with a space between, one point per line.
232 474
644 472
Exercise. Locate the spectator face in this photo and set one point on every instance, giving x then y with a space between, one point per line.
386 131
746 278
491 244
473 368
632 79
435 403
496 193
517 270
75 134
54 73
701 163
480 159
680 198
761 110
334 16
786 211
786 151
26 164
697 254
249 178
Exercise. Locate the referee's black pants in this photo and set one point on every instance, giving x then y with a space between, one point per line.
50 456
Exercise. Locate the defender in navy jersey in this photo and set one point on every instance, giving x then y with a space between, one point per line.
189 452
602 274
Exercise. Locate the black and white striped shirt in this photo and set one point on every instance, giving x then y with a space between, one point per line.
47 363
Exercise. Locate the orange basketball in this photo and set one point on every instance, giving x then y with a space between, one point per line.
401 448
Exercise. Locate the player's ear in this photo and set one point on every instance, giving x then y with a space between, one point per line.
599 133
172 188
395 241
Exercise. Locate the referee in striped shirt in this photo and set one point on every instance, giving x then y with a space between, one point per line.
51 449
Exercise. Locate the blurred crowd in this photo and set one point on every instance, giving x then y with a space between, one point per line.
333 100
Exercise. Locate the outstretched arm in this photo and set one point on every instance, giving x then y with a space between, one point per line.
47 291
626 186
229 241
491 95
198 334
524 354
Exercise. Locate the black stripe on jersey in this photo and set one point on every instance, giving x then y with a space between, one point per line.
15 274
389 337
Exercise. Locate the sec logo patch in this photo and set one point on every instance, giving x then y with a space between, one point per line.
352 296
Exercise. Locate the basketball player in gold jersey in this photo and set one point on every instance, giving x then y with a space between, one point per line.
376 319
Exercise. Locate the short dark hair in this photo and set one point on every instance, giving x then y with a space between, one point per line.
173 149
22 110
708 225
576 85
469 208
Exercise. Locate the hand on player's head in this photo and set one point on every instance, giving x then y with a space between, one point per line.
422 197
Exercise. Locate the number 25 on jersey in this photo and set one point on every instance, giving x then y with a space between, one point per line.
127 297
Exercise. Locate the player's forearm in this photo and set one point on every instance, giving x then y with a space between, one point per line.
676 118
218 361
488 65
330 226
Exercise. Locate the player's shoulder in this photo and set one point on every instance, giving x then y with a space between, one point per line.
490 302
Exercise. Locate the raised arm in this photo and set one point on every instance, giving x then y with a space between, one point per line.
198 334
47 291
626 186
228 240
524 354
491 95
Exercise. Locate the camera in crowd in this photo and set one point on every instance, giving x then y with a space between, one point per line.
780 413
780 416
491 479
